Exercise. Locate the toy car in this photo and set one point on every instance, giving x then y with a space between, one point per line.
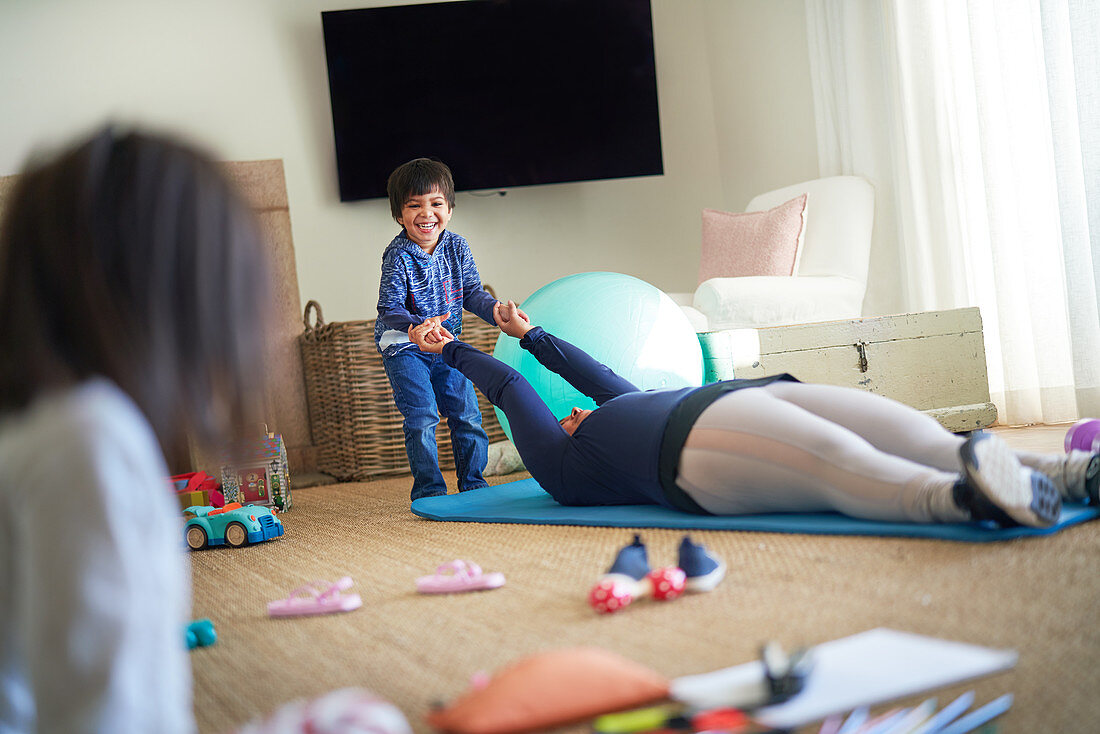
234 524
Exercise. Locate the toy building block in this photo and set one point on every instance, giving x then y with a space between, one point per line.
197 488
187 499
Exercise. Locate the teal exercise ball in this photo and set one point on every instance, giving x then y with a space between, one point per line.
626 323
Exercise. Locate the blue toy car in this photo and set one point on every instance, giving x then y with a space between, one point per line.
234 525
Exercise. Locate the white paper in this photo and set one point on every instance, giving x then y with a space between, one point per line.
862 670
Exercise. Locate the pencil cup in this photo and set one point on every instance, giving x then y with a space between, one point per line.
1084 435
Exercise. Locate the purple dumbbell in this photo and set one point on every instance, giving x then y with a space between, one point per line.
1084 435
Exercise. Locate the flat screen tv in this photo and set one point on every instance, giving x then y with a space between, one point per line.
506 92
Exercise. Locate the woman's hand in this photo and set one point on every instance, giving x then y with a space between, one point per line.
431 336
511 319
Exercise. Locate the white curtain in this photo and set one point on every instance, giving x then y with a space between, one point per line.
977 122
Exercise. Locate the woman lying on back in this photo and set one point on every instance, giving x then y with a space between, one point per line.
772 444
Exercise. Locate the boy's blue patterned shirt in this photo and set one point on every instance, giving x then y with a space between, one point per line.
416 285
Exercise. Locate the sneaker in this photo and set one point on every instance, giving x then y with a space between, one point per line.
703 569
995 486
1092 479
1081 476
631 561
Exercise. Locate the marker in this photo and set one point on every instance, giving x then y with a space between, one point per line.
636 720
973 720
914 718
883 723
949 713
855 720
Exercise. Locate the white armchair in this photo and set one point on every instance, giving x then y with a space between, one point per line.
830 279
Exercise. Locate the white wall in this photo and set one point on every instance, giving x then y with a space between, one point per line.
763 100
247 79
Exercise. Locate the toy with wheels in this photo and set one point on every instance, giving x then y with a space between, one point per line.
234 525
621 321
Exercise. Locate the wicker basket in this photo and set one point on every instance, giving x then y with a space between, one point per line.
356 425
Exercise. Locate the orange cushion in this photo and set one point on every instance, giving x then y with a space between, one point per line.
549 689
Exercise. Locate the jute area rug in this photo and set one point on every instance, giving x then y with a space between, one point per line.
1038 596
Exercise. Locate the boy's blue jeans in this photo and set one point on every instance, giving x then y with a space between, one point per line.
423 389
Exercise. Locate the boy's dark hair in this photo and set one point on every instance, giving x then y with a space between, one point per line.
133 257
416 178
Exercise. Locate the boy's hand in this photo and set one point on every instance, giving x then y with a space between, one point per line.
511 319
431 336
432 330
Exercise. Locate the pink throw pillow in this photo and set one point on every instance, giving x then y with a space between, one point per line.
752 243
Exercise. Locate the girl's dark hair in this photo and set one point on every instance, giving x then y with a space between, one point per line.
416 178
131 256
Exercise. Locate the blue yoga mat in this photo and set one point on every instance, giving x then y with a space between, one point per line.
525 502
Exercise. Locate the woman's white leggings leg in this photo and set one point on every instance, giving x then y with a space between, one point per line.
797 447
889 426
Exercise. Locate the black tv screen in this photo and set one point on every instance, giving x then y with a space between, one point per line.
506 92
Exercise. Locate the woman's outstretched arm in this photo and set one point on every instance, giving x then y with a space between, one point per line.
577 367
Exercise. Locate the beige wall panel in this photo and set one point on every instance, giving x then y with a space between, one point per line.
264 186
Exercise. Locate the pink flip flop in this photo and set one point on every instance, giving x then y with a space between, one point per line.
317 597
459 575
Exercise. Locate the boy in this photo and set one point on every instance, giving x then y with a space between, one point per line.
429 271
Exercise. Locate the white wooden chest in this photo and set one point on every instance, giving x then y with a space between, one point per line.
933 361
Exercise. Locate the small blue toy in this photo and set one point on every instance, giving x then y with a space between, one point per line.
200 633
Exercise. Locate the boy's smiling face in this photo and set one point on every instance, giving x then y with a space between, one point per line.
424 217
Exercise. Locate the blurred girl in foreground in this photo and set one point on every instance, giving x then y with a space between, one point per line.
133 289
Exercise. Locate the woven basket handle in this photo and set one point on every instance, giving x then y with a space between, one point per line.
320 317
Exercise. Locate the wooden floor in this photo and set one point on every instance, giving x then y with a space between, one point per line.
1046 438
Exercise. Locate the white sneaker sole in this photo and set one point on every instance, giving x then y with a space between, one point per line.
707 582
993 471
